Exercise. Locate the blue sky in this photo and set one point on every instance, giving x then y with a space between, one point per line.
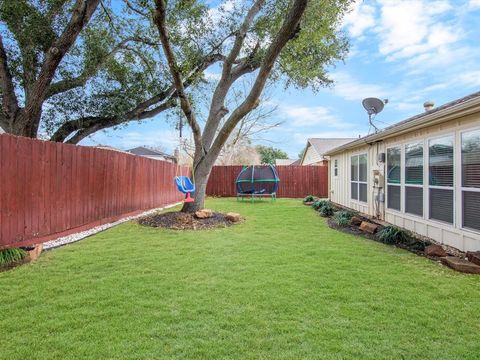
408 51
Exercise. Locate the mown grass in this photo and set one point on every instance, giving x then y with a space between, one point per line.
281 286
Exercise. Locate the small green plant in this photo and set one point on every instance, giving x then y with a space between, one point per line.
327 210
393 235
342 217
309 198
319 204
8 256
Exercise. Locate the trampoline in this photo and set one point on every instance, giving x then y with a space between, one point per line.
256 181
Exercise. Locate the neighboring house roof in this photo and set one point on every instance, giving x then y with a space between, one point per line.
322 145
143 151
453 109
108 147
297 162
1 130
284 161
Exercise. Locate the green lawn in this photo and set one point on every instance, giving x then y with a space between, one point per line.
281 286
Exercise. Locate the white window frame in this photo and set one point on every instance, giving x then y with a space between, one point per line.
427 180
358 182
462 188
402 177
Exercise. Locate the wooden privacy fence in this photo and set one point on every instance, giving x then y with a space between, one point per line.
295 181
49 189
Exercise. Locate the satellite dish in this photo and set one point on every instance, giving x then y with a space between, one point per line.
373 105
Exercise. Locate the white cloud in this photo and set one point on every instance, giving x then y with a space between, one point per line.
414 28
211 76
360 18
352 89
474 4
470 78
312 115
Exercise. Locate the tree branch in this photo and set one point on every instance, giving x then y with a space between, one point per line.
286 33
217 108
159 19
82 13
9 99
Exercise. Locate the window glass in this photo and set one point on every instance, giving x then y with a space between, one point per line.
471 209
414 164
354 169
414 200
393 165
362 195
393 197
354 188
335 170
362 160
441 205
471 159
441 162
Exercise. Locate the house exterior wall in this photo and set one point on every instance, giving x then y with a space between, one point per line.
452 235
311 156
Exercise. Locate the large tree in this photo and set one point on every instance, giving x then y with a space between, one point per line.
269 154
69 68
273 40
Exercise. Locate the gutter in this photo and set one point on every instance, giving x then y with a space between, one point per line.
434 117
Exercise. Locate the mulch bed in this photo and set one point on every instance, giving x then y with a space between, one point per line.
185 221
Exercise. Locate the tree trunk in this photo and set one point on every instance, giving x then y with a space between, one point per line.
201 178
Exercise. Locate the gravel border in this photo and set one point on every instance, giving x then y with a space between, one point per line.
52 244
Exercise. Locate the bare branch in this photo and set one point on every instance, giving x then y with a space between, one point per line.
286 33
217 107
159 19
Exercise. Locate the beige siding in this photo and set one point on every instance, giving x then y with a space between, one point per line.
311 156
453 235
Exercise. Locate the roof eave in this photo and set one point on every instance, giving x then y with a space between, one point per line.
434 118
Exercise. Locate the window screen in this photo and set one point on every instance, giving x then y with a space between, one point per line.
441 205
441 162
358 187
393 197
414 200
471 159
393 165
335 168
414 164
471 209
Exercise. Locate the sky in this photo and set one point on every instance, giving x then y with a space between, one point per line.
406 51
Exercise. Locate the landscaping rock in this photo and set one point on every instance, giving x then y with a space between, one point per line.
461 265
368 227
356 221
34 253
474 257
203 214
435 250
233 217
308 203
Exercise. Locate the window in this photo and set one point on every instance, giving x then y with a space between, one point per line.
394 178
414 179
471 179
359 187
440 173
335 168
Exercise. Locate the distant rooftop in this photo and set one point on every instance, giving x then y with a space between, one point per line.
144 151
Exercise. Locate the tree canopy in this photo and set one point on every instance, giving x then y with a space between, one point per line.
269 154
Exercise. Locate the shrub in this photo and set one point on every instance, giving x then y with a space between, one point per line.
393 235
327 209
319 204
10 255
342 218
309 198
